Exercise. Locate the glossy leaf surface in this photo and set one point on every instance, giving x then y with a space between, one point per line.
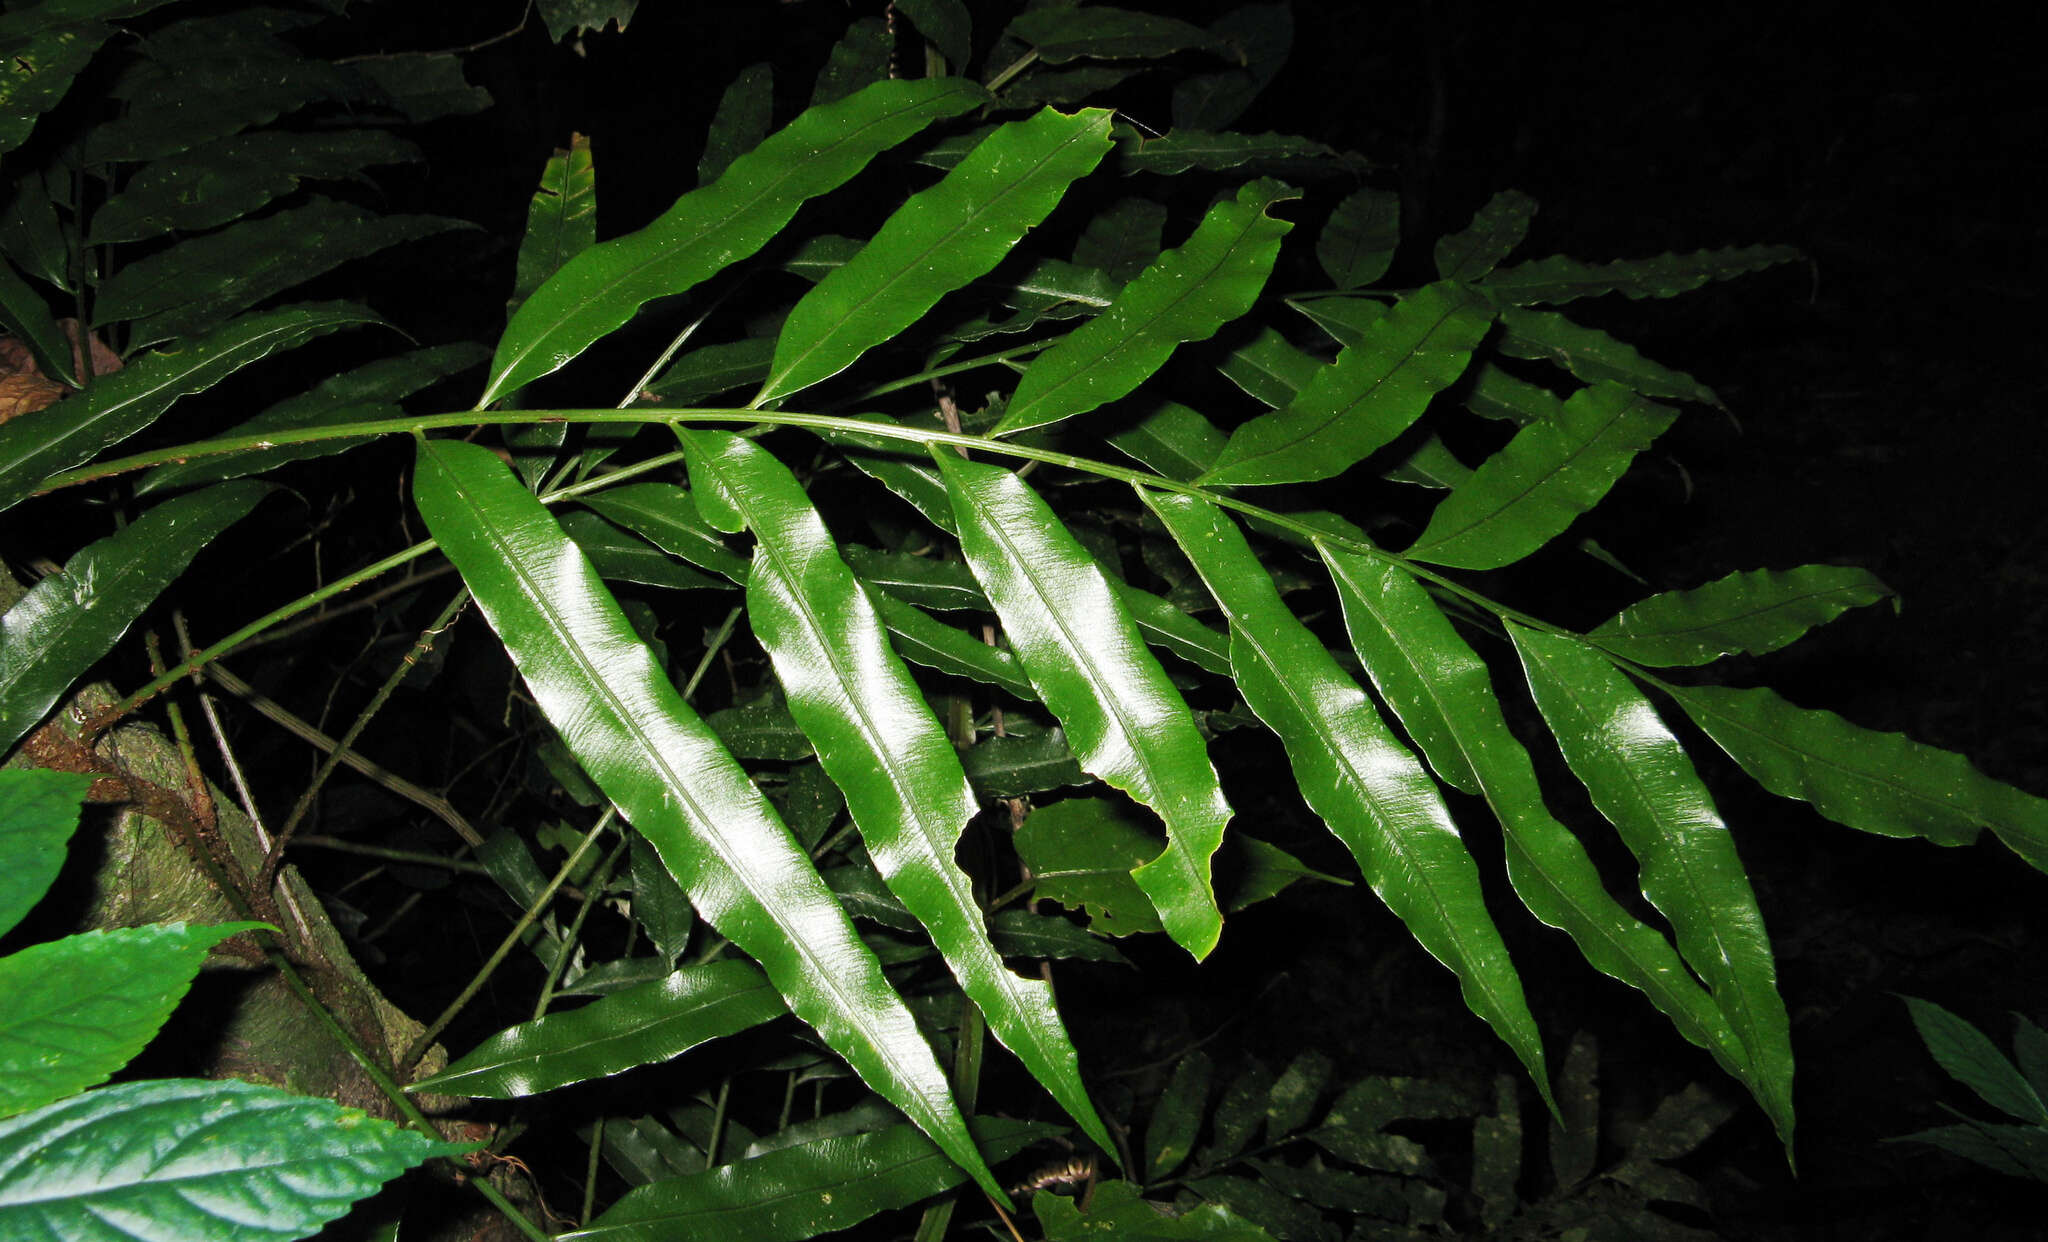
38 813
187 1158
1526 494
713 227
1370 394
1754 612
1641 779
69 620
80 1008
1186 295
1563 279
662 767
878 740
1367 788
1125 721
940 239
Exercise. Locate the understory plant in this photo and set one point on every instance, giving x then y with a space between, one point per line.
886 560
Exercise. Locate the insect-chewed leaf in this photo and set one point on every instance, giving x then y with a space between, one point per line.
1495 231
1594 356
1525 495
1357 244
877 739
69 620
561 221
1641 780
1185 295
1876 782
715 226
226 180
1364 784
619 714
1562 279
1125 721
1440 689
81 1007
123 403
1100 32
38 813
1370 394
1754 612
939 240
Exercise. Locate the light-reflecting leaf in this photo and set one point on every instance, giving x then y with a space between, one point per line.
638 1025
1186 295
1357 245
715 226
1754 612
1368 789
1594 356
1526 494
1496 229
1876 782
1641 779
940 239
1101 32
1125 721
186 1158
226 180
66 622
878 740
123 403
1974 1061
38 812
80 1008
1563 279
561 220
601 688
1373 392
798 1192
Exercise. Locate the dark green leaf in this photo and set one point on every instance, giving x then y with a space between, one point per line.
206 78
714 369
923 639
1184 149
1100 32
1177 1117
947 25
741 121
1753 612
31 232
859 59
1080 853
667 517
663 768
1357 245
1116 1211
69 620
1495 230
1270 369
81 1007
185 1158
925 581
660 906
1186 295
422 86
715 226
38 812
1122 239
1974 1061
2018 1151
1561 279
1239 1113
1296 1093
623 557
1551 472
26 316
2030 1049
1369 395
1257 37
1348 320
1496 394
226 180
1594 356
1020 933
1015 767
1172 440
43 47
561 221
1340 1190
1125 721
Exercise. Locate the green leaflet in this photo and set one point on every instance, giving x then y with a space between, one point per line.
713 227
226 180
1172 440
947 25
1563 279
81 1007
561 221
1126 723
1177 1118
1552 471
1972 1059
1594 356
1184 149
878 741
38 813
1370 394
1753 612
1122 239
1441 691
1270 369
859 59
1100 32
1115 1210
798 1192
639 1025
1495 231
923 639
714 369
1357 244
577 17
69 620
666 516
940 239
740 122
123 403
44 47
1371 792
661 766
1254 40
195 1159
623 557
197 284
25 315
1641 779
1186 295
1876 782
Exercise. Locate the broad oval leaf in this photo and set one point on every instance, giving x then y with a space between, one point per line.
1373 392
187 1158
1876 782
1641 779
940 239
713 227
69 620
1495 231
1754 612
81 1007
38 813
1365 785
639 1025
1562 279
878 740
1551 472
1357 243
605 693
1125 721
1185 295
123 403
